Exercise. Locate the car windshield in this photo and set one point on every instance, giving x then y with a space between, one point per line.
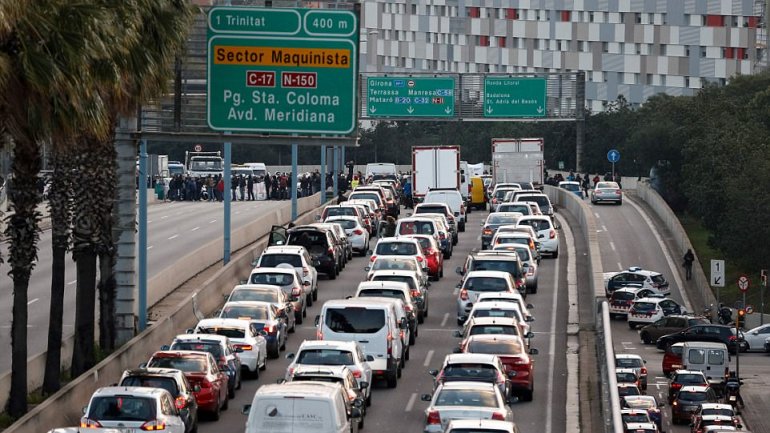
536 224
337 211
628 390
385 293
223 331
497 312
184 363
345 224
571 186
199 346
635 417
355 320
717 411
628 362
523 209
499 220
391 263
640 403
396 249
416 228
686 378
122 408
500 193
622 296
658 279
273 260
167 383
325 357
513 240
467 397
431 209
397 278
469 371
255 295
510 266
275 279
541 200
253 312
486 284
625 377
692 396
644 307
495 347
494 330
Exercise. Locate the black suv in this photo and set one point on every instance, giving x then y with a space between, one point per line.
319 242
172 381
708 332
497 261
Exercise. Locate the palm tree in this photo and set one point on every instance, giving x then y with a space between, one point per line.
59 197
43 89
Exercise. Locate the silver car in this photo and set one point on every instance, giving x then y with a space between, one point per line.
477 282
289 280
358 235
607 191
464 400
528 263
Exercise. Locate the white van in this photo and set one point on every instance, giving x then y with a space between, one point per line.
258 168
317 407
374 324
381 170
453 199
712 359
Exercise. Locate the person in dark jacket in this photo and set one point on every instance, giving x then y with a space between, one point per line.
689 257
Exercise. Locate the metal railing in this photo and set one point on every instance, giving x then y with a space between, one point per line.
605 354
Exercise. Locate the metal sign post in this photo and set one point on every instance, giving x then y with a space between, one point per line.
613 156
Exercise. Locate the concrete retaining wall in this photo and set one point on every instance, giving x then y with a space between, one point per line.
58 411
699 287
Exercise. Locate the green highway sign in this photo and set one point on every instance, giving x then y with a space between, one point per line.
282 70
514 96
410 97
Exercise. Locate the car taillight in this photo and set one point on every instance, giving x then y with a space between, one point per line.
89 423
470 188
643 371
154 425
617 191
296 291
330 251
319 335
552 235
675 403
358 232
442 235
372 259
415 293
390 345
357 374
676 385
270 329
732 338
305 271
462 209
419 259
500 377
433 417
408 308
487 231
498 416
463 295
180 402
401 334
520 361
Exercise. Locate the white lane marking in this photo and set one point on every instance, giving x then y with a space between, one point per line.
427 329
428 358
612 245
478 238
628 345
164 217
620 266
72 282
173 237
212 221
596 215
410 403
33 301
552 350
667 255
455 291
150 247
444 320
194 228
604 227
149 221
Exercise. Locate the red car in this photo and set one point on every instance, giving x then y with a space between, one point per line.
672 359
519 365
200 369
433 255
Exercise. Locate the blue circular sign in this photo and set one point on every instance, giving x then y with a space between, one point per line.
613 155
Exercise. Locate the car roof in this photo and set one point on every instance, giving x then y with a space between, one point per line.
359 302
206 338
154 371
300 389
488 274
142 391
321 370
507 321
569 182
180 353
694 388
496 337
395 272
328 344
250 304
627 356
716 406
459 384
641 425
491 424
400 285
511 214
274 270
256 287
398 239
495 255
496 304
689 372
220 322
481 358
624 370
285 249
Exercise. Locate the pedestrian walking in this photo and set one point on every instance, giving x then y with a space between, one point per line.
250 187
689 257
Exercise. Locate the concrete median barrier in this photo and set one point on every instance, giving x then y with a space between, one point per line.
64 407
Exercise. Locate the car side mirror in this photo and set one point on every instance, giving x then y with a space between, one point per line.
85 408
355 413
541 236
143 365
533 351
280 381
368 268
363 385
216 313
368 252
306 283
357 403
458 285
290 355
317 320
254 263
165 347
263 333
246 409
530 307
225 297
196 388
511 400
529 319
457 334
426 397
459 271
403 324
243 281
318 217
511 374
189 331
425 268
530 334
433 373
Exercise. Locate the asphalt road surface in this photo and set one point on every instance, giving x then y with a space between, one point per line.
626 239
174 229
400 409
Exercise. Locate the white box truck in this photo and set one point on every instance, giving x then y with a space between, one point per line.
518 160
435 167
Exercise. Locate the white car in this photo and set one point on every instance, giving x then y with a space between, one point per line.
635 276
298 257
357 234
649 310
398 246
481 425
477 282
756 337
546 233
521 238
330 352
463 400
132 407
242 333
453 199
514 297
501 309
398 263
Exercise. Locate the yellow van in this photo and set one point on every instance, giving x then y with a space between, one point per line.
478 195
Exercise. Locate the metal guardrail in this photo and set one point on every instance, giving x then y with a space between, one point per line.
605 354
